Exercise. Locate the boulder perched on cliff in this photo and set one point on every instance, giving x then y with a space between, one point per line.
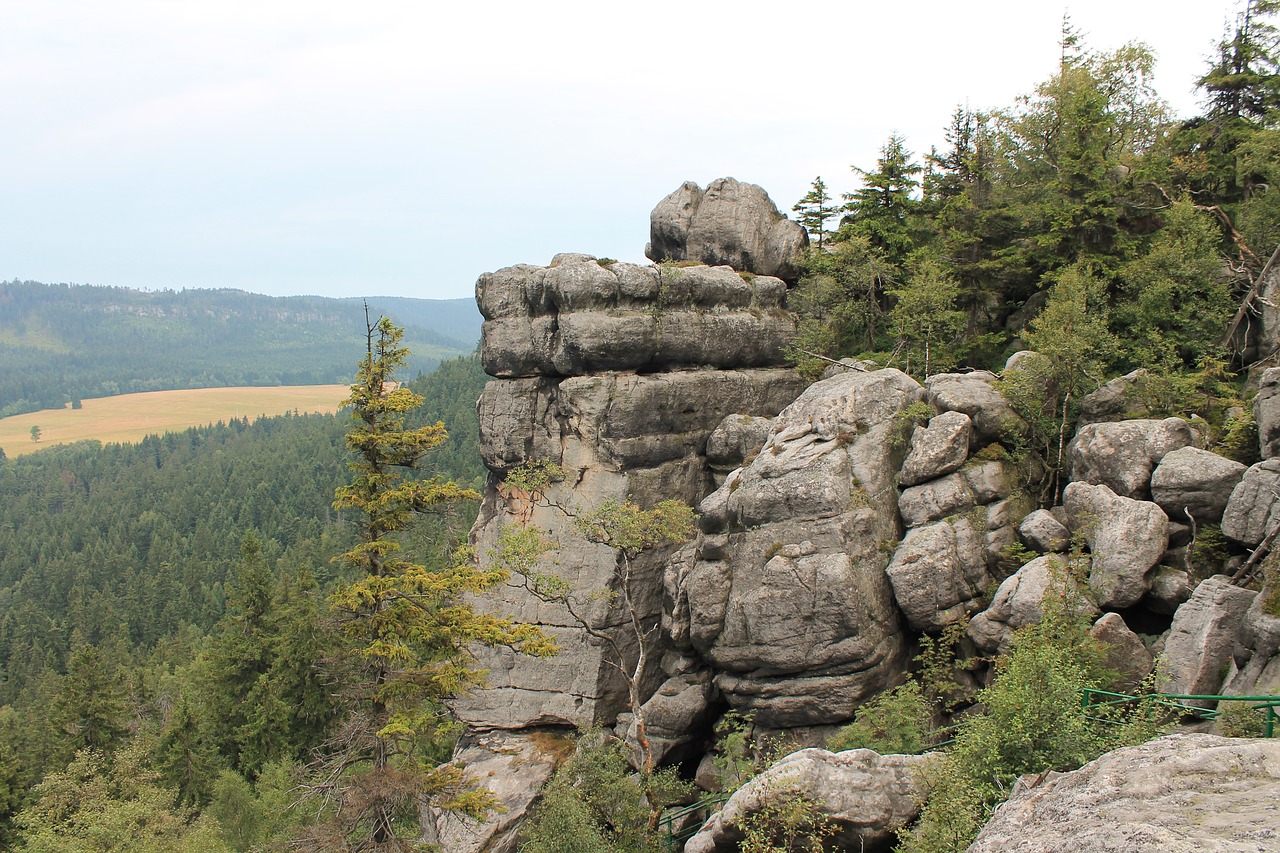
938 449
975 395
1184 793
577 317
1122 455
1126 539
867 797
730 222
1204 633
1115 400
785 591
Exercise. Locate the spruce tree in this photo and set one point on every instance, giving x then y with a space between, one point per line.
815 209
405 628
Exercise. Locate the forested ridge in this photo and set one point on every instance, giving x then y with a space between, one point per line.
120 566
61 343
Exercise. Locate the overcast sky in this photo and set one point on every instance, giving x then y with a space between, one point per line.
403 148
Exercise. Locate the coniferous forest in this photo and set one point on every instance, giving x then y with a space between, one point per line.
174 628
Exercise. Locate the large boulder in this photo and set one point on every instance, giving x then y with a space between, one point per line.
1114 401
673 715
785 591
1019 602
938 449
975 394
1043 532
1195 481
1122 455
939 574
1126 655
1184 793
974 485
867 797
729 222
1259 670
577 317
513 767
1126 540
1253 510
1204 633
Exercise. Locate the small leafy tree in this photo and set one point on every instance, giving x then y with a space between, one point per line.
35 433
925 319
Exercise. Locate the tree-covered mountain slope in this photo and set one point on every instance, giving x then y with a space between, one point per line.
60 342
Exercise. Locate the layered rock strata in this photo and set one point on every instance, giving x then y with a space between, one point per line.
607 371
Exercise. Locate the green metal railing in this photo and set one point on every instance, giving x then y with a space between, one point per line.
679 825
1180 703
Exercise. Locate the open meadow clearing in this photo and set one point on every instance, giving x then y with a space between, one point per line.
130 417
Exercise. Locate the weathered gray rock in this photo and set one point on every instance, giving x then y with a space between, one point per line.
1126 655
673 715
1126 540
736 438
939 574
1266 412
513 767
1019 601
1259 672
1122 455
578 317
1197 481
867 796
1184 793
1254 508
621 437
1203 635
1042 532
1115 401
730 223
976 484
785 591
1170 586
975 395
938 449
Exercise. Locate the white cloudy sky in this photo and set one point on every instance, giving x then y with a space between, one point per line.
405 147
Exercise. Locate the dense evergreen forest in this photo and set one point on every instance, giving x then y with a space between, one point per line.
127 573
61 343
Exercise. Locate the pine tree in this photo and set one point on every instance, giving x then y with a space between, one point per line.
815 209
880 210
406 628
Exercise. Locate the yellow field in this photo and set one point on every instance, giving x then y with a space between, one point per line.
130 417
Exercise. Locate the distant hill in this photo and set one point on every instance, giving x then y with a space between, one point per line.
60 343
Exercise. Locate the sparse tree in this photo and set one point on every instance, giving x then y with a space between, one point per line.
815 209
35 433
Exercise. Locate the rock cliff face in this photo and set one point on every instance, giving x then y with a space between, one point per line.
619 374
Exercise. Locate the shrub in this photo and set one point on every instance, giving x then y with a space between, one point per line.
895 722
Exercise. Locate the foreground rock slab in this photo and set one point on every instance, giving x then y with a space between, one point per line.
867 795
1187 793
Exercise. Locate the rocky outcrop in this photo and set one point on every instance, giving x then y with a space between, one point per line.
939 574
1202 638
729 222
981 483
785 592
577 317
1126 656
1255 667
938 449
1041 531
563 343
1115 401
866 796
1186 793
1122 455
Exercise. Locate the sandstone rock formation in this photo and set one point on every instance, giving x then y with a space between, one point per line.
563 343
1186 793
1195 481
866 795
1126 539
729 222
1203 637
1122 455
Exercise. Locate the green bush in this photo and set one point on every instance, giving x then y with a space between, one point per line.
895 722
